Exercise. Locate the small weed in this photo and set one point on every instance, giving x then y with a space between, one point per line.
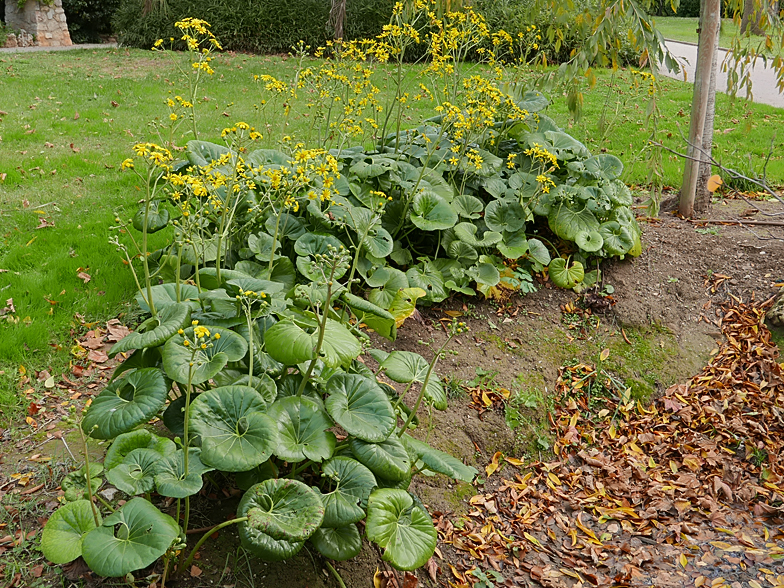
672 280
708 231
484 581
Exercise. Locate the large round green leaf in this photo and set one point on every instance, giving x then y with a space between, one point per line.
405 367
353 484
468 206
438 461
590 241
235 433
604 166
387 282
484 273
61 540
504 215
617 239
178 357
388 459
467 232
532 101
165 295
129 539
137 439
157 330
565 276
208 277
567 221
157 217
360 406
339 347
404 529
621 195
288 343
302 429
379 242
287 226
431 212
462 251
170 478
74 484
136 474
514 245
428 278
263 546
126 403
339 544
283 509
538 251
314 243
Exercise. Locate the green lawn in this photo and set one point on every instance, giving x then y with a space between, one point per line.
70 118
685 29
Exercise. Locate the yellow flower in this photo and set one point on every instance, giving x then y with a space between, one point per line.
201 332
173 116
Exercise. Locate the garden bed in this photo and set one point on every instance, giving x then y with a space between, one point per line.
662 329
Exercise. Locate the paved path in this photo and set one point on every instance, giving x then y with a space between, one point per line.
69 48
762 76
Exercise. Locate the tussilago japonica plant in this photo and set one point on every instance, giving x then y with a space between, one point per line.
286 250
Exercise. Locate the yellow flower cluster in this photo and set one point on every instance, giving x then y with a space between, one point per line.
545 183
154 154
539 153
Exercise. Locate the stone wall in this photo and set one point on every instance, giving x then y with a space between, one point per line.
45 23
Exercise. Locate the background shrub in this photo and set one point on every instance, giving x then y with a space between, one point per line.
516 16
89 20
259 26
690 8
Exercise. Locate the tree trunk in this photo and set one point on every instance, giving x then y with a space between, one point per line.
752 16
707 47
337 17
703 196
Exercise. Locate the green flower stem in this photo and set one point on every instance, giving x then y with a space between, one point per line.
145 263
107 505
274 240
424 387
246 309
299 468
402 396
89 479
335 574
177 277
322 330
207 535
186 442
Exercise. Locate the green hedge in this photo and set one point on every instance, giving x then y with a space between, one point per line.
89 20
260 26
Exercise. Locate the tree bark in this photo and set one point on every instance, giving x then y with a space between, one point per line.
703 196
337 17
752 16
707 47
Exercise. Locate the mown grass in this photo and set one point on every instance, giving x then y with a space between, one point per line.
679 28
72 117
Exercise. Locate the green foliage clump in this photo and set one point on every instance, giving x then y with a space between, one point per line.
266 26
89 20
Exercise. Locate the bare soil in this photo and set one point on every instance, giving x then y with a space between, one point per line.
660 329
